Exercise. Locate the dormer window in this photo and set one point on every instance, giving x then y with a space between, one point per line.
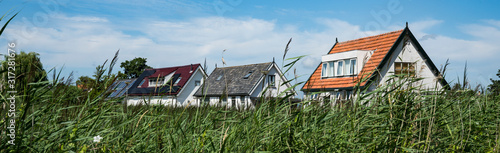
155 82
338 68
247 75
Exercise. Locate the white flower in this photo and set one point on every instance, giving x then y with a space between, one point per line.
97 138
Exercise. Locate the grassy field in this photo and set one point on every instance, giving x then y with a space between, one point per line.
394 118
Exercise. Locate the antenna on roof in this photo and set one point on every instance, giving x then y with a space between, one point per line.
336 40
406 24
215 65
205 64
273 59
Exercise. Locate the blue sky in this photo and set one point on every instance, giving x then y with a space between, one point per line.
80 35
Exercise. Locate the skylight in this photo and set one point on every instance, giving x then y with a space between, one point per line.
178 80
218 78
248 75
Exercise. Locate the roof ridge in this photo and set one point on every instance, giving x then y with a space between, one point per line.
173 67
245 65
374 36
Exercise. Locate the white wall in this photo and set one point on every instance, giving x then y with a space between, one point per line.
273 91
185 96
410 54
214 101
152 100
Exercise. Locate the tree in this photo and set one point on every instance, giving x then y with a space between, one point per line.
24 68
494 87
85 82
133 68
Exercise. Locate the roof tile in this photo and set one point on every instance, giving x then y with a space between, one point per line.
380 43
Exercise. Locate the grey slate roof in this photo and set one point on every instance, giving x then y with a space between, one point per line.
237 85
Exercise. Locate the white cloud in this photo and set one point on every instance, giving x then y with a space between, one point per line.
82 42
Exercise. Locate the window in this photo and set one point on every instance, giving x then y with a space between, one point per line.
271 80
242 99
156 82
350 66
353 66
324 69
347 67
197 83
142 82
404 68
248 75
224 100
331 69
206 100
233 101
220 77
340 68
177 81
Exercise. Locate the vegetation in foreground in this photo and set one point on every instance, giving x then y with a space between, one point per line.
56 116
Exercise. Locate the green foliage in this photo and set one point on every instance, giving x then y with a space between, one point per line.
26 67
85 82
133 68
494 87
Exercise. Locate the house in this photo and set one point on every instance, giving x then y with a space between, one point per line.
374 58
241 86
170 86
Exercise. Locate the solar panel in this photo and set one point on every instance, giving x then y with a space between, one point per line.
119 88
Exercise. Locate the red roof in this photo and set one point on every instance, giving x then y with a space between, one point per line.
380 43
184 72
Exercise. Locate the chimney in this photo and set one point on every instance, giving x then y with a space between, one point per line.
191 71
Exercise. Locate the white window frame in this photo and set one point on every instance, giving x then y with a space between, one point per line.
177 81
271 82
331 69
155 82
340 68
324 69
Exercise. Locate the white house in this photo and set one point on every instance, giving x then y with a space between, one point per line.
170 86
241 86
375 58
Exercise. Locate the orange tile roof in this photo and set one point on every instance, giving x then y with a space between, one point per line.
380 43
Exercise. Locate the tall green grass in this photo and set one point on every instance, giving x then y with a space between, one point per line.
396 117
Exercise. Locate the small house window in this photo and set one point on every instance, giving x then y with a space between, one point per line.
350 66
177 81
197 83
347 67
324 70
271 80
353 66
156 82
233 101
340 68
142 82
404 68
242 99
247 75
331 69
